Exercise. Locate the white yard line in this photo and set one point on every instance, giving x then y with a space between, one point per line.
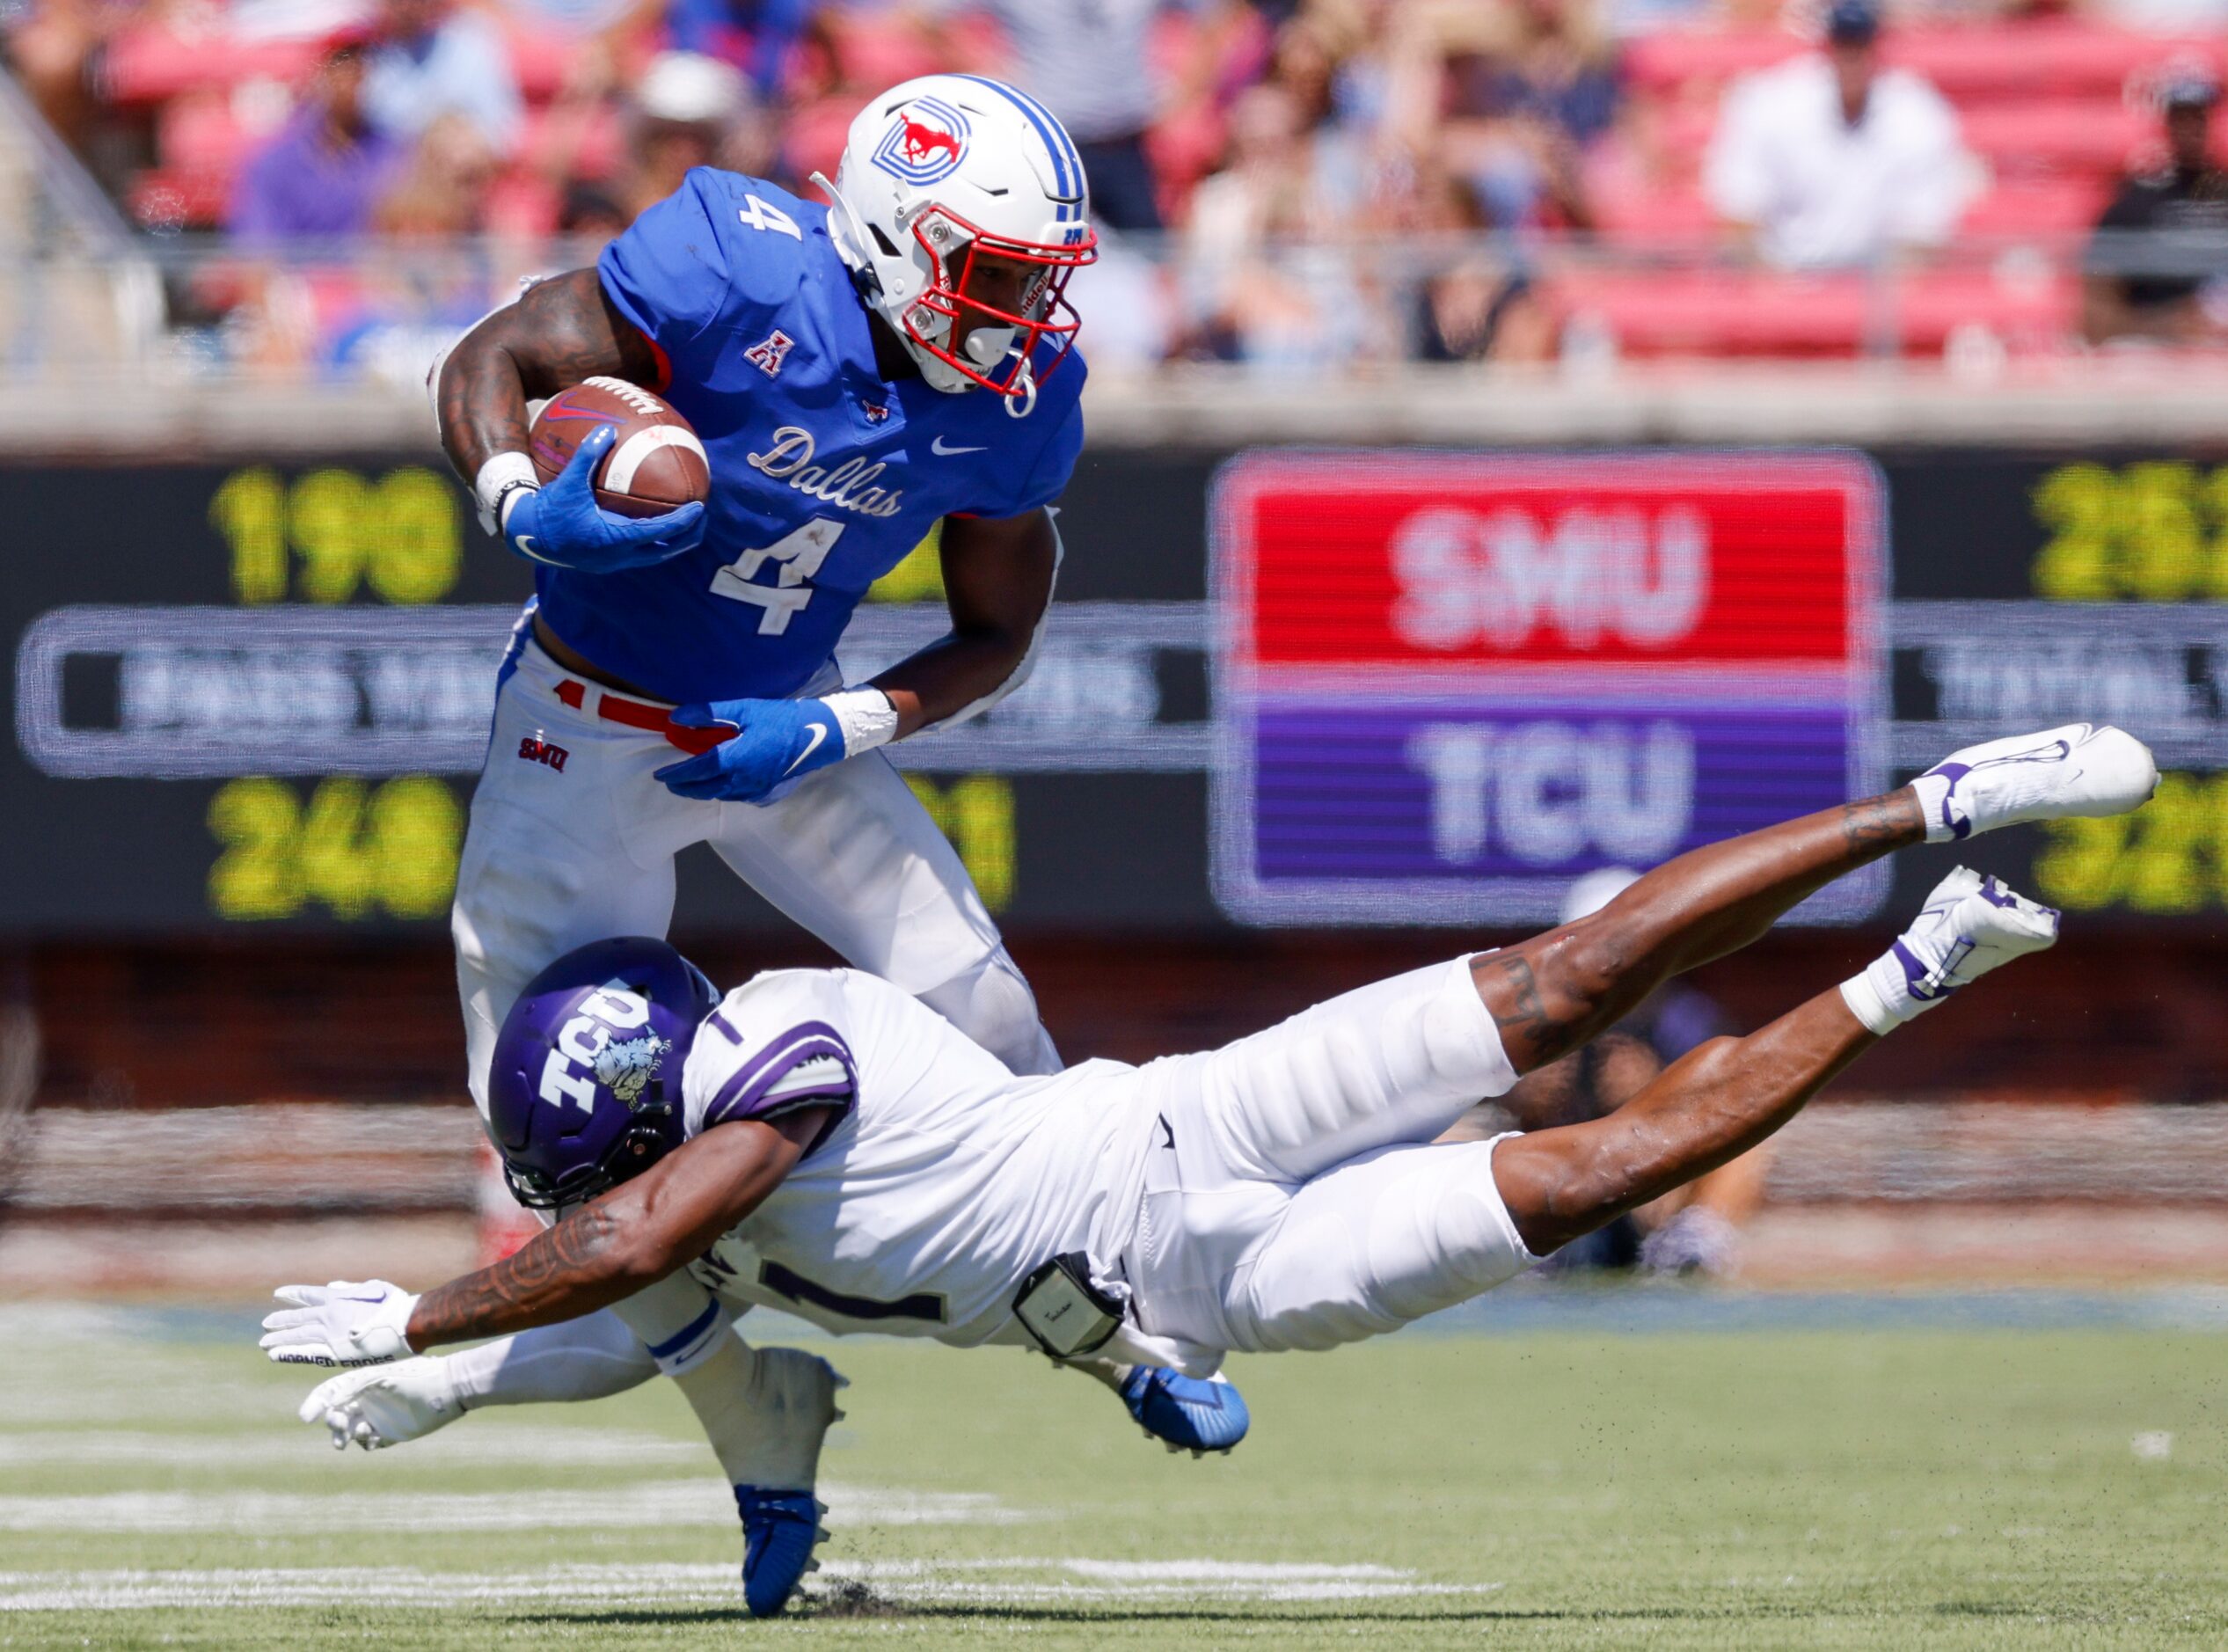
676 1502
298 1447
896 1583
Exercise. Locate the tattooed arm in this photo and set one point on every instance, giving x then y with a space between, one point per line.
632 1237
557 332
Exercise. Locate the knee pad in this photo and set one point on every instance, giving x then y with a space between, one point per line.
992 1005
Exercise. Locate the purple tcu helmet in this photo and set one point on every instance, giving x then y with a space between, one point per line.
586 1086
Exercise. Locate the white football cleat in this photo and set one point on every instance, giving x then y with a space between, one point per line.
1969 925
2081 770
378 1405
792 1398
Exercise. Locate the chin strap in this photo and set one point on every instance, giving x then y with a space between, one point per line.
1022 406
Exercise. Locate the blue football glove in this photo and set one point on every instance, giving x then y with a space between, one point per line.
779 1530
561 524
777 744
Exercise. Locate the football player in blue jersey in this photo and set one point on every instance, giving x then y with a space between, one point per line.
858 374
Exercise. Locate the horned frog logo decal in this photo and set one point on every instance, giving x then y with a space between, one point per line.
626 1069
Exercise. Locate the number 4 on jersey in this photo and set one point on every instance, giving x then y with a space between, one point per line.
760 215
799 553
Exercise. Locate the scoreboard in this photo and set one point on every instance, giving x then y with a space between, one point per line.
1282 687
1447 685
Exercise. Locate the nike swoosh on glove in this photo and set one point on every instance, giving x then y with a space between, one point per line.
775 743
562 525
339 1324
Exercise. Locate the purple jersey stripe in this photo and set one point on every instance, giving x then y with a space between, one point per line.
744 1093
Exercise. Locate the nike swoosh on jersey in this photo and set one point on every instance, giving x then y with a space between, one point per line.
819 734
937 447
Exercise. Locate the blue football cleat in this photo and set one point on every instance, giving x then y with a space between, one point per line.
779 1529
1198 1414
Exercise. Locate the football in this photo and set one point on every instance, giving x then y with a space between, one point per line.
655 463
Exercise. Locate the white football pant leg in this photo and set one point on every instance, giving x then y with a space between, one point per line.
993 1006
853 856
1248 1126
1371 1244
1395 1061
555 857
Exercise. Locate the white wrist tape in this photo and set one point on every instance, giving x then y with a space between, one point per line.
865 716
503 474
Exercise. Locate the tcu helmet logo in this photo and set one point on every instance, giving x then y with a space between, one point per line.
592 1039
925 141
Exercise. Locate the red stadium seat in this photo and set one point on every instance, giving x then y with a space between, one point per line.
2019 62
164 200
540 59
151 63
1635 214
2060 58
1717 312
1773 313
1659 63
2027 310
2040 206
199 133
2076 137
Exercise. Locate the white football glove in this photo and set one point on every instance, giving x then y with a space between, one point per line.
339 1324
381 1405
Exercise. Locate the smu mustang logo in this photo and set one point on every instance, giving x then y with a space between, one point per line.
925 142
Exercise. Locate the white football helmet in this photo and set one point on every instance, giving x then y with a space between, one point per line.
937 170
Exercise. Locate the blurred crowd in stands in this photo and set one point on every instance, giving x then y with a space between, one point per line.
1294 185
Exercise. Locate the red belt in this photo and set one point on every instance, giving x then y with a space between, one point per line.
617 708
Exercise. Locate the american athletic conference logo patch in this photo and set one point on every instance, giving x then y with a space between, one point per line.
926 140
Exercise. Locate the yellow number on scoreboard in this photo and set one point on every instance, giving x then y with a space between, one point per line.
398 535
2156 531
2168 859
354 850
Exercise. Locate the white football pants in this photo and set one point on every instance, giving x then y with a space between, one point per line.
572 841
1293 1200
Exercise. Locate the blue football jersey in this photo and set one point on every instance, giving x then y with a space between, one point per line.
824 474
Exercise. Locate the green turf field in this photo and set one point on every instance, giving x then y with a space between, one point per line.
1877 1487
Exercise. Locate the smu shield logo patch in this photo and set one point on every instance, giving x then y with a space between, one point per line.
925 141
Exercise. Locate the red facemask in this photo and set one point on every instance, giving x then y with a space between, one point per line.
1044 311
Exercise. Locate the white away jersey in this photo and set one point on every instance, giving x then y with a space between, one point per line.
945 1181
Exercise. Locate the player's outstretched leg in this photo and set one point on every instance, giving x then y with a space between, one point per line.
1555 991
1725 1096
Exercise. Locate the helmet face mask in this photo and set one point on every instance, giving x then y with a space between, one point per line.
952 306
945 180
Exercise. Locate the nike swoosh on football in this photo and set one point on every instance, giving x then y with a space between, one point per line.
937 447
819 734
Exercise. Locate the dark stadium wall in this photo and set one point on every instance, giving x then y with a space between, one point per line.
249 700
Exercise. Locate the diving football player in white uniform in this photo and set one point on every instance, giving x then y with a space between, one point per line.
843 1152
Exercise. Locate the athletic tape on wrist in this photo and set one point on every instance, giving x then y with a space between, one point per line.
503 473
864 716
